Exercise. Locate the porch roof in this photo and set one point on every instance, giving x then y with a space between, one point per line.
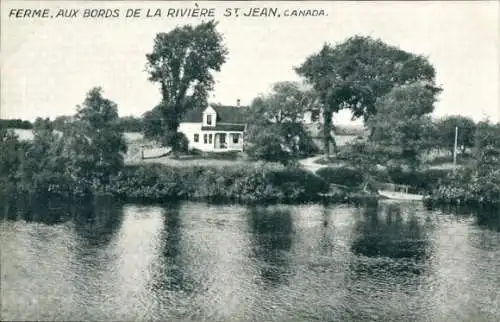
224 127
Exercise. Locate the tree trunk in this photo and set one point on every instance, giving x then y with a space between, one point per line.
327 127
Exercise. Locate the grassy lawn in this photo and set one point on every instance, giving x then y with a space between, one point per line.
189 162
135 144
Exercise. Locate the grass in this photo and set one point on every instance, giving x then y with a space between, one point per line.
186 162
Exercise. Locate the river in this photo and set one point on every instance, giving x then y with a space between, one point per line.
201 262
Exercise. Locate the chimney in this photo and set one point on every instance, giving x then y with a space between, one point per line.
238 102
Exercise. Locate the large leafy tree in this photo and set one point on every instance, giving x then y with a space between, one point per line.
287 102
402 125
43 164
182 63
95 144
358 71
275 130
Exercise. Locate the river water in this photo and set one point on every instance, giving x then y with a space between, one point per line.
201 262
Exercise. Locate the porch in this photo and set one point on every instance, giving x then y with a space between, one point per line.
223 141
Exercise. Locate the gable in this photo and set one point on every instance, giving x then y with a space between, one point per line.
209 110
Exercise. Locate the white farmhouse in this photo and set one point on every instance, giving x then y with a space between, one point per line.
216 128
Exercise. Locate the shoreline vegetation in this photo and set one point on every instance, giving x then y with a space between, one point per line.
250 182
391 90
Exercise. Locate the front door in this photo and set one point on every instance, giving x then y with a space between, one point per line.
222 141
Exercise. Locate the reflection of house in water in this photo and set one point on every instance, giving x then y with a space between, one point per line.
272 232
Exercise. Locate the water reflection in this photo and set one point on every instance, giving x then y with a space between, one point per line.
272 233
392 248
326 243
107 261
96 222
488 219
390 231
172 275
45 211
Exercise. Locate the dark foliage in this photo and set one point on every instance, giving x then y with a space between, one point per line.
15 124
241 183
130 124
341 175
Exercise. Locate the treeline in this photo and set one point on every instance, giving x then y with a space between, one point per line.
15 124
124 123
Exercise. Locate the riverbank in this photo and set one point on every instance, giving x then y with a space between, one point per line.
247 184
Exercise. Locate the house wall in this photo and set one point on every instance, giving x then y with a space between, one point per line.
190 129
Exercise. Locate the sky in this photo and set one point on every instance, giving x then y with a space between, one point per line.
48 65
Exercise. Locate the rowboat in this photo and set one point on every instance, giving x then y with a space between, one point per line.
400 195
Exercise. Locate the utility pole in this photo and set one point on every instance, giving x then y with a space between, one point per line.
455 149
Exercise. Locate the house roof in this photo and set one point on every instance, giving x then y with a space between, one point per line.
225 114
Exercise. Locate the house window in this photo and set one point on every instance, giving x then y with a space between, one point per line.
223 138
236 138
196 137
210 138
205 138
209 119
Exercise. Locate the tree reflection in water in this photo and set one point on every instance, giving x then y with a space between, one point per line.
272 232
392 248
96 222
46 211
385 231
172 275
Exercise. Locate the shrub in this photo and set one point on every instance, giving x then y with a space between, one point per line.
195 152
341 175
267 146
423 181
242 183
177 141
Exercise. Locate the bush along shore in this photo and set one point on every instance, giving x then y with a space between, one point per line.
468 188
261 182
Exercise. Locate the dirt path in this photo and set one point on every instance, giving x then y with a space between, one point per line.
310 163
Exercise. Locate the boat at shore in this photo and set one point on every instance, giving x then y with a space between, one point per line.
400 195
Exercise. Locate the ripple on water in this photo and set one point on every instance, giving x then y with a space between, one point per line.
233 263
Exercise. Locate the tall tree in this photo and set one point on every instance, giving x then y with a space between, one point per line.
358 71
182 63
95 143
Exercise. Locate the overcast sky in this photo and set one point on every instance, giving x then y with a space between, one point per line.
49 64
